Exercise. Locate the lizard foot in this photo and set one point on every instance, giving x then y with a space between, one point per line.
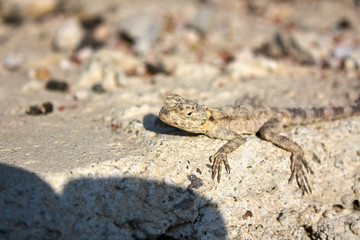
297 163
217 159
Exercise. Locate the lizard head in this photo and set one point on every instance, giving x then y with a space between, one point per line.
183 113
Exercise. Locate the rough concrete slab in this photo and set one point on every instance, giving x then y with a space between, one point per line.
103 166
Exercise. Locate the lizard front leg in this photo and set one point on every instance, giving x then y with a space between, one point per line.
268 132
235 140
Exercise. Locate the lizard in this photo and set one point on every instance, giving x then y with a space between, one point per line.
230 123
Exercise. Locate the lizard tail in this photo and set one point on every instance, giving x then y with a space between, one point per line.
303 116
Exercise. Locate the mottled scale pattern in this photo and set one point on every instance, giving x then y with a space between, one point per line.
310 115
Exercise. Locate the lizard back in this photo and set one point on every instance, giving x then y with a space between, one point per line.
249 119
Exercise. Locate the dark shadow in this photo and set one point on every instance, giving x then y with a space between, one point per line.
153 123
103 208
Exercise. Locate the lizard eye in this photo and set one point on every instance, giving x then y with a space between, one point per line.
189 113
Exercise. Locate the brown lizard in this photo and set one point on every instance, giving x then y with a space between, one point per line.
228 123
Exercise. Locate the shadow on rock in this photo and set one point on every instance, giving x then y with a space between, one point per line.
102 208
153 123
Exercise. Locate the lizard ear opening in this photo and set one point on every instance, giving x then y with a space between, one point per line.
189 114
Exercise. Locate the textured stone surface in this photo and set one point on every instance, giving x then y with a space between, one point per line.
103 166
68 35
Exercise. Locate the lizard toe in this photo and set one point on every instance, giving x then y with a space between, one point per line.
217 160
297 171
227 166
303 182
216 169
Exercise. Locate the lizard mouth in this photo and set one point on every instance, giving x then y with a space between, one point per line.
163 114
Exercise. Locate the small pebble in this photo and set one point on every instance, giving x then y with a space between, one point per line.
91 22
342 52
68 36
12 61
56 85
247 214
66 64
145 29
73 105
153 69
114 125
101 33
17 11
41 74
82 55
98 88
32 85
12 17
284 45
343 24
44 108
81 95
125 37
195 181
226 57
90 41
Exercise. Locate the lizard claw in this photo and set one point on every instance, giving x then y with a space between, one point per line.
217 159
297 171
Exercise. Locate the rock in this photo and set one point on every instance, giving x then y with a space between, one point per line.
109 67
44 108
143 28
285 45
82 55
32 85
81 95
68 36
12 61
344 24
98 88
15 11
342 52
246 65
202 20
56 85
42 74
157 68
101 33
